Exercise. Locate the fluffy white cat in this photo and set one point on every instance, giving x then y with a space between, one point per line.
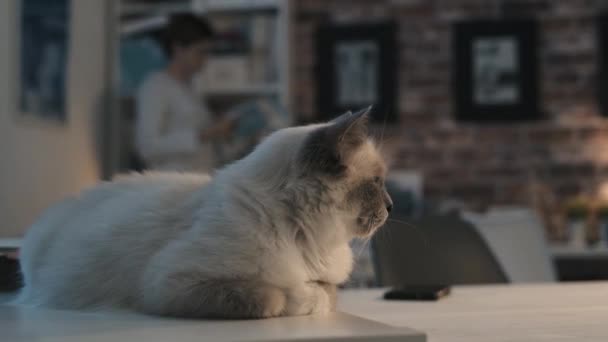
267 236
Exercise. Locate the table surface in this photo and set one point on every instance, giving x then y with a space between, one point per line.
9 245
514 313
19 324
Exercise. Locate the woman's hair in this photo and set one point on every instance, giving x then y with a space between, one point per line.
185 29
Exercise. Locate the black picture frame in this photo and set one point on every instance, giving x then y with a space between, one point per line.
369 50
495 72
43 57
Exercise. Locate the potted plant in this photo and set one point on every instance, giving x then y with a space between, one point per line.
592 226
602 213
577 211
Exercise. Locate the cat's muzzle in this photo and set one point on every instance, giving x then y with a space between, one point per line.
368 225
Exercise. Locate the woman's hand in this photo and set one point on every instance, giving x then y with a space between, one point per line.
222 129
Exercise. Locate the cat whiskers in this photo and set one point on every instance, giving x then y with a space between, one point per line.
414 228
361 248
364 244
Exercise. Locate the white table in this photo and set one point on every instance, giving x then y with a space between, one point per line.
18 324
516 313
9 245
530 313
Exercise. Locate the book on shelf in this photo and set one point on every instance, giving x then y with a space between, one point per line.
239 4
244 51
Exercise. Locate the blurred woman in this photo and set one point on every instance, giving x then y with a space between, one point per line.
174 128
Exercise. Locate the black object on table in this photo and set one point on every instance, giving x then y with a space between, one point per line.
10 276
418 292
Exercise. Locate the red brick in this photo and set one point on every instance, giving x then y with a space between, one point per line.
470 162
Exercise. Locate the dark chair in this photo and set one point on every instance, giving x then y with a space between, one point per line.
433 250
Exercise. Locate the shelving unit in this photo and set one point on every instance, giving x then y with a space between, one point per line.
138 16
279 87
137 8
599 251
576 263
245 90
235 5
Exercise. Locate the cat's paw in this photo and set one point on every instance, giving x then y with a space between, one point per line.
332 293
323 304
310 298
273 301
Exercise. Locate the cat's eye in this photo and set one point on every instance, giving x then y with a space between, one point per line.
378 180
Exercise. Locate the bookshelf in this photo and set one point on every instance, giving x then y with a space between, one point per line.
255 66
146 18
255 61
260 89
571 252
235 5
142 8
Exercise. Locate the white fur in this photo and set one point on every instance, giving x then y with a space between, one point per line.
115 244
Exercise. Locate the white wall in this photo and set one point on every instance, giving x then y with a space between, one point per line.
41 162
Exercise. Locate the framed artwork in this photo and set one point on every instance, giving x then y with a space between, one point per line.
357 67
495 70
43 53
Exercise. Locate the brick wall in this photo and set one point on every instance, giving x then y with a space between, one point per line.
478 163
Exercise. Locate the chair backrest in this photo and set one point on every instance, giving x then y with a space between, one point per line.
517 238
433 250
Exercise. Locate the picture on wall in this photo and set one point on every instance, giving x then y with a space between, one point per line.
495 73
44 29
356 73
356 68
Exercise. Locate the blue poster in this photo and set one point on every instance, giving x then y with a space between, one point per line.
44 53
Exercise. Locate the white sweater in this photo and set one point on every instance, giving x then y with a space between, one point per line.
169 119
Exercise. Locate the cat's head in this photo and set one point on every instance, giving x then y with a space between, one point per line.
342 155
330 169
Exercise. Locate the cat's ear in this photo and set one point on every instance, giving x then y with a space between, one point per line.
341 117
327 149
349 130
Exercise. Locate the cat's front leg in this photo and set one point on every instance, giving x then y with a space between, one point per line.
190 295
310 298
332 292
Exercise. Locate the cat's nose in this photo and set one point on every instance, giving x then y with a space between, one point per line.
388 202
